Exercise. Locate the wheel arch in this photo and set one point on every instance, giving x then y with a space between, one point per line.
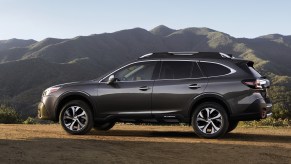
69 96
209 97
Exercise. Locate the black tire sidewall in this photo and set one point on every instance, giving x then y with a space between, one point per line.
232 125
103 126
88 111
223 113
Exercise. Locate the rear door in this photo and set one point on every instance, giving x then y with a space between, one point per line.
178 84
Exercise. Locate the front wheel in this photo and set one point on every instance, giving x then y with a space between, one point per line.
210 120
76 117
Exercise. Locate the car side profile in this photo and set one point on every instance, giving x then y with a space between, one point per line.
210 91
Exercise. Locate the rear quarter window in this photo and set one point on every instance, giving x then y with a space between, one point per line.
214 69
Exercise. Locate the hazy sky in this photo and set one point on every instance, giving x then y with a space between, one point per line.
38 19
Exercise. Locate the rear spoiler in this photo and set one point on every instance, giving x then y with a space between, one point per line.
241 62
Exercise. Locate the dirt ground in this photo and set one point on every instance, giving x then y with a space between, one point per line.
142 144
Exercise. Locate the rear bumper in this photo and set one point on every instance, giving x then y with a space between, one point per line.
269 109
259 109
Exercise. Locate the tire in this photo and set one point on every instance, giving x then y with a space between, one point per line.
104 126
210 120
232 126
76 117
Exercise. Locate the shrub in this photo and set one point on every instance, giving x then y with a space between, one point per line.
30 120
268 122
8 115
280 111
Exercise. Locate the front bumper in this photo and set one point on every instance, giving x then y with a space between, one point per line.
42 112
46 108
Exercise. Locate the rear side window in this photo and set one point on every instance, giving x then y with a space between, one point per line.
179 70
213 69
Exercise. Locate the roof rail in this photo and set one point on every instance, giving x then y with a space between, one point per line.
226 55
146 55
215 55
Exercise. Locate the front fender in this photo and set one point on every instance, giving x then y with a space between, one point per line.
71 95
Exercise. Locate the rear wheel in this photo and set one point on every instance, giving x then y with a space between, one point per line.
210 120
232 126
104 126
76 117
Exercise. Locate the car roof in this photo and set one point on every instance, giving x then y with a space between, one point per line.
186 55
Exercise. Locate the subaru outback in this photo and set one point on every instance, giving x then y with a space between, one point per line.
210 91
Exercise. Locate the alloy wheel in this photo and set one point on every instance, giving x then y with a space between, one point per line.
209 120
75 118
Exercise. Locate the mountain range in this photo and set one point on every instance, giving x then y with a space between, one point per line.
27 67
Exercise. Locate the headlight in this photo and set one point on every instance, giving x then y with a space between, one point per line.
50 91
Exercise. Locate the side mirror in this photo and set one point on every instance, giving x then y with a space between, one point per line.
111 79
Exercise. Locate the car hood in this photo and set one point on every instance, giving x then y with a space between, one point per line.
77 83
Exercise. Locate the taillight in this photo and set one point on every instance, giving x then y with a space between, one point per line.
257 83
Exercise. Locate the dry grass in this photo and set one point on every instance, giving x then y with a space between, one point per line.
142 144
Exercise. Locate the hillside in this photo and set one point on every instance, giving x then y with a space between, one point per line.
15 43
28 69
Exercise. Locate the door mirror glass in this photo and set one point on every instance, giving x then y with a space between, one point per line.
111 79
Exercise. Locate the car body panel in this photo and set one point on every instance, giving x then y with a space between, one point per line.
171 97
124 98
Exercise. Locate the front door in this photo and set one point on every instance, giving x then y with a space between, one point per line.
130 94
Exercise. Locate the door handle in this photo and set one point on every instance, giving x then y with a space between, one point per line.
194 86
144 88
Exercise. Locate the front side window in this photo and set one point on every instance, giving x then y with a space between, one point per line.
136 72
176 69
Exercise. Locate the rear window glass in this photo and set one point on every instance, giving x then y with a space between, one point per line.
179 70
196 73
176 70
213 69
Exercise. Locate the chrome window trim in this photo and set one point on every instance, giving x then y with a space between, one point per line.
231 70
100 81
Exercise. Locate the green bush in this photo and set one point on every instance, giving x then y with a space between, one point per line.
8 115
268 122
281 99
30 120
280 111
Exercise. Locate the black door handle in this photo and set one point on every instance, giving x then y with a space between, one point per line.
194 86
144 88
